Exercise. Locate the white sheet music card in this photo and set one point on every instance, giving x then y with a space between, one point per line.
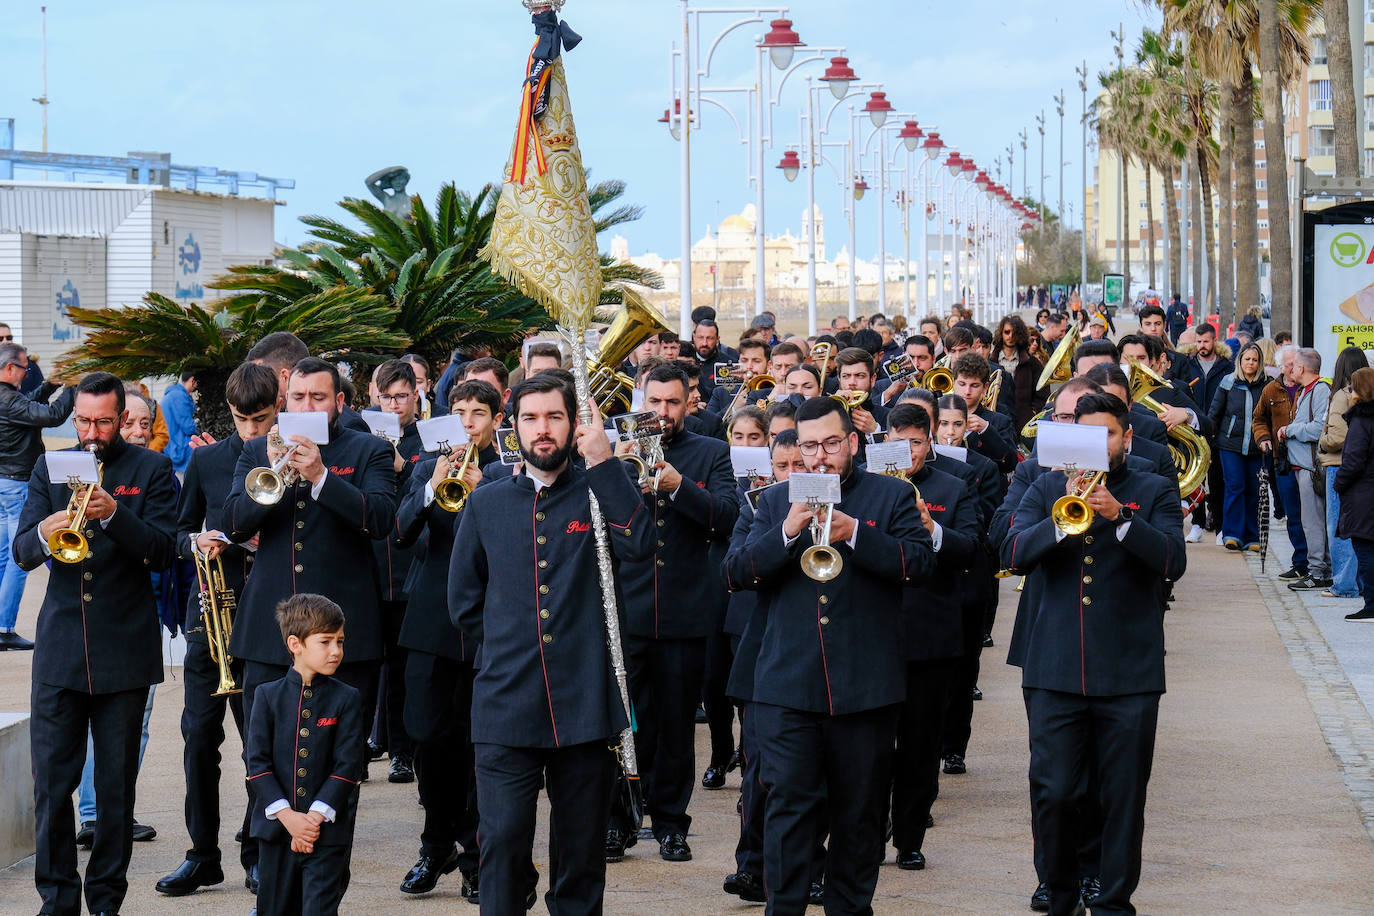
1062 445
309 424
957 452
63 466
438 434
751 461
813 488
636 400
383 424
884 455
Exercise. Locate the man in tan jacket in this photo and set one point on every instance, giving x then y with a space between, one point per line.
1273 412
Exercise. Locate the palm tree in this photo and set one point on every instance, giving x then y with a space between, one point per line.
1118 118
1168 130
1340 63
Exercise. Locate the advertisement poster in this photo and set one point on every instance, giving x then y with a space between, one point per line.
1113 290
1342 289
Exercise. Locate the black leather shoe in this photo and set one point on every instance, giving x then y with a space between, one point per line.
816 896
425 874
930 821
532 899
746 886
1040 900
13 640
189 878
142 833
401 770
617 841
250 878
734 763
674 848
85 837
238 836
976 693
470 890
1361 614
374 752
1090 888
911 861
701 715
987 640
954 765
713 778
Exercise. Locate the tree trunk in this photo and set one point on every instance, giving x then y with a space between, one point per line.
1247 220
1344 114
212 411
1226 255
1196 238
1276 169
1125 240
1208 232
1150 227
1173 282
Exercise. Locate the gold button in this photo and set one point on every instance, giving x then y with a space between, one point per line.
548 638
301 771
305 752
87 576
825 599
1087 600
659 562
825 621
1087 580
300 524
541 540
305 713
662 502
308 693
1088 561
300 791
544 613
300 546
305 733
539 516
660 523
1088 539
543 564
660 543
300 568
300 505
90 533
627 531
87 597
543 589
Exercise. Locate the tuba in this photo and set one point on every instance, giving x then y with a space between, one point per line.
609 386
1059 366
67 544
1190 450
216 616
453 491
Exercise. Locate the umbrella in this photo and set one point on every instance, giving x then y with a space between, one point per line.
1263 513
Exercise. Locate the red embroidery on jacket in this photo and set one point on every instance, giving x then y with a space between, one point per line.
576 527
123 490
1134 507
935 507
342 472
327 720
870 523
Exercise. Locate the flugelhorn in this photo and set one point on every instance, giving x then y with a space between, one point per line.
67 544
216 616
453 491
266 485
1071 512
821 561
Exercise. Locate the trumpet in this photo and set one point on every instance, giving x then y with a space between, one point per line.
67 544
216 616
821 354
896 473
850 399
821 561
1071 512
939 380
994 389
646 456
266 486
760 382
453 491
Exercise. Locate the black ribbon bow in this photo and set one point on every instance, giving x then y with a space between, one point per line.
552 37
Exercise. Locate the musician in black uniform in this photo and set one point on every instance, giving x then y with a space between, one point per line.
1114 382
690 503
854 367
933 632
830 673
524 584
753 361
305 757
316 538
98 647
439 660
251 392
990 433
280 351
397 391
1094 664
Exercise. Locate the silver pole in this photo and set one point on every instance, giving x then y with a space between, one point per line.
685 293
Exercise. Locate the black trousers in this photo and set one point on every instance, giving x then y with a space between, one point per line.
720 709
749 849
1067 733
1216 494
202 732
958 725
812 763
389 732
438 716
916 772
57 736
665 683
302 884
578 779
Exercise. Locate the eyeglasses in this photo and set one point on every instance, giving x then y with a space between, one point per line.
831 446
394 398
104 424
1062 417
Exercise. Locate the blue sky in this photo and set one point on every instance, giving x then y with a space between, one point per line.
327 93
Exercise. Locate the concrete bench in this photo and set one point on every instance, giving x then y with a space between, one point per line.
16 790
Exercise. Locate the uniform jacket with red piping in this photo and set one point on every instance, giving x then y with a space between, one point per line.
209 475
523 585
835 647
98 626
305 745
674 593
319 545
931 622
1097 627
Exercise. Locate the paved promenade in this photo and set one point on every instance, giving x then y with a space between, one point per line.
1262 798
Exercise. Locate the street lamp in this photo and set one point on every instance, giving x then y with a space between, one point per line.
910 136
933 145
860 186
790 165
878 108
838 76
781 41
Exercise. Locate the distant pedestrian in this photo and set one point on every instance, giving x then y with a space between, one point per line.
1177 317
179 408
1344 580
1301 435
1232 407
1355 484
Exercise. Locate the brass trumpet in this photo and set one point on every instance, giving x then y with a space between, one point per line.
821 561
994 389
850 399
820 356
453 491
938 380
265 486
67 544
1071 512
216 616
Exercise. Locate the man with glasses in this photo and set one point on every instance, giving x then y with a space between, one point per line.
830 675
99 647
22 421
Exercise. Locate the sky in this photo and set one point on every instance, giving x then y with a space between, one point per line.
328 93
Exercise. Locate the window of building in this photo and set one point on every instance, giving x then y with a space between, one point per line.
1319 95
1369 10
1368 60
1259 165
1260 184
1318 50
1369 162
1321 141
1262 223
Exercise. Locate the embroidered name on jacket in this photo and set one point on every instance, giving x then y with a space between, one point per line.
123 490
342 472
327 720
576 527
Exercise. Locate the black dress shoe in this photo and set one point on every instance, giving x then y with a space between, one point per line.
1040 900
976 693
470 889
85 837
911 861
142 833
987 640
238 836
930 821
1360 615
617 841
1089 889
401 770
701 715
374 752
954 765
426 871
734 763
674 848
746 886
189 878
532 899
250 878
713 778
816 896
13 640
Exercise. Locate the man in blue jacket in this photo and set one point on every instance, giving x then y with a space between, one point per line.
179 409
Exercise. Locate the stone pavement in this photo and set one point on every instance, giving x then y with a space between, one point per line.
1260 786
